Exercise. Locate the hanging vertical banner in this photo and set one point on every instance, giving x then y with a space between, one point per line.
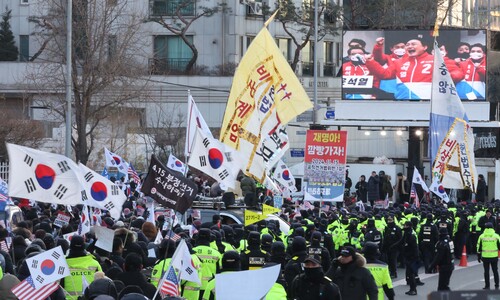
325 165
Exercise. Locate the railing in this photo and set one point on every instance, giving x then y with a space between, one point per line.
169 8
4 171
164 66
308 68
329 69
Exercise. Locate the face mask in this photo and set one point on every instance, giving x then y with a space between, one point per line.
314 274
345 222
399 52
390 224
476 56
357 59
464 55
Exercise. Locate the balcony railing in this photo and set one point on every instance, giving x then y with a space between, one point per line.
165 66
329 69
169 8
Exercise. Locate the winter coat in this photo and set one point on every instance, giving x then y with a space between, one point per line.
373 188
354 280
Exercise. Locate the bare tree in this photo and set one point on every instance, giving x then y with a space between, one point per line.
17 129
179 20
166 133
298 22
393 14
106 71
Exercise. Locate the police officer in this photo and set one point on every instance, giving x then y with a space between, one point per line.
294 265
253 258
313 284
80 263
487 251
444 259
379 270
230 262
208 256
391 246
315 248
427 239
372 233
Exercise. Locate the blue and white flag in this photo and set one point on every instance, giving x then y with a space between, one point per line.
451 142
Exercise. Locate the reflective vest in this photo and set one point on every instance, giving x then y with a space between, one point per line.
488 243
209 258
190 289
1 273
80 266
382 277
158 270
277 292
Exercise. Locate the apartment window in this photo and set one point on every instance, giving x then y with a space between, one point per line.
249 40
329 66
171 53
170 7
285 46
24 47
307 59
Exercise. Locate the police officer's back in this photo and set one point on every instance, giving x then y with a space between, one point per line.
299 254
315 248
379 270
444 259
253 257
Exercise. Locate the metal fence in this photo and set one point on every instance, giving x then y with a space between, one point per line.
4 171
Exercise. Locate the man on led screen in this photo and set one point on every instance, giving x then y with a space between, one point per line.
414 72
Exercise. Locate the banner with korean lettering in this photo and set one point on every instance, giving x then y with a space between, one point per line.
451 141
265 95
325 165
168 188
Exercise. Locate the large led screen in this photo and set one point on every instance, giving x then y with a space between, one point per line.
398 64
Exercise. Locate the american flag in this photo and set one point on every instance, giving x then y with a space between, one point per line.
414 195
133 174
170 284
4 246
172 235
25 290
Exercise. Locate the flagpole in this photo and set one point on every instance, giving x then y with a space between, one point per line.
163 266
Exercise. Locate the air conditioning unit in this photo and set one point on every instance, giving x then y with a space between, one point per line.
255 8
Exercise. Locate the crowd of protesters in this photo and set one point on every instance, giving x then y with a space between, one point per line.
329 252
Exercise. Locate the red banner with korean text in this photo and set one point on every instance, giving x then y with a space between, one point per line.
325 165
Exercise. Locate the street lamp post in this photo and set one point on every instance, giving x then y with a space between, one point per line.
69 12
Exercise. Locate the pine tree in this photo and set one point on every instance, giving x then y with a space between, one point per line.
8 48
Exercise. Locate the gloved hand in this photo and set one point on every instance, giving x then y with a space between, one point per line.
479 258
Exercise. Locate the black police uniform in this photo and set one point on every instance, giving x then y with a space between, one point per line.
444 259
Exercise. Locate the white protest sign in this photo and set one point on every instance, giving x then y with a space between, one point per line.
104 237
62 220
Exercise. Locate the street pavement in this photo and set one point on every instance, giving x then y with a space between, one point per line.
463 278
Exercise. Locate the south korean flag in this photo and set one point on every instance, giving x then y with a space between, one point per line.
215 159
43 176
101 193
48 267
283 175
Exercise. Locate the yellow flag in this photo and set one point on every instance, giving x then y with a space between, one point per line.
253 217
268 209
265 95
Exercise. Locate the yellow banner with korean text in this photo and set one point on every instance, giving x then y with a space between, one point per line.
264 96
